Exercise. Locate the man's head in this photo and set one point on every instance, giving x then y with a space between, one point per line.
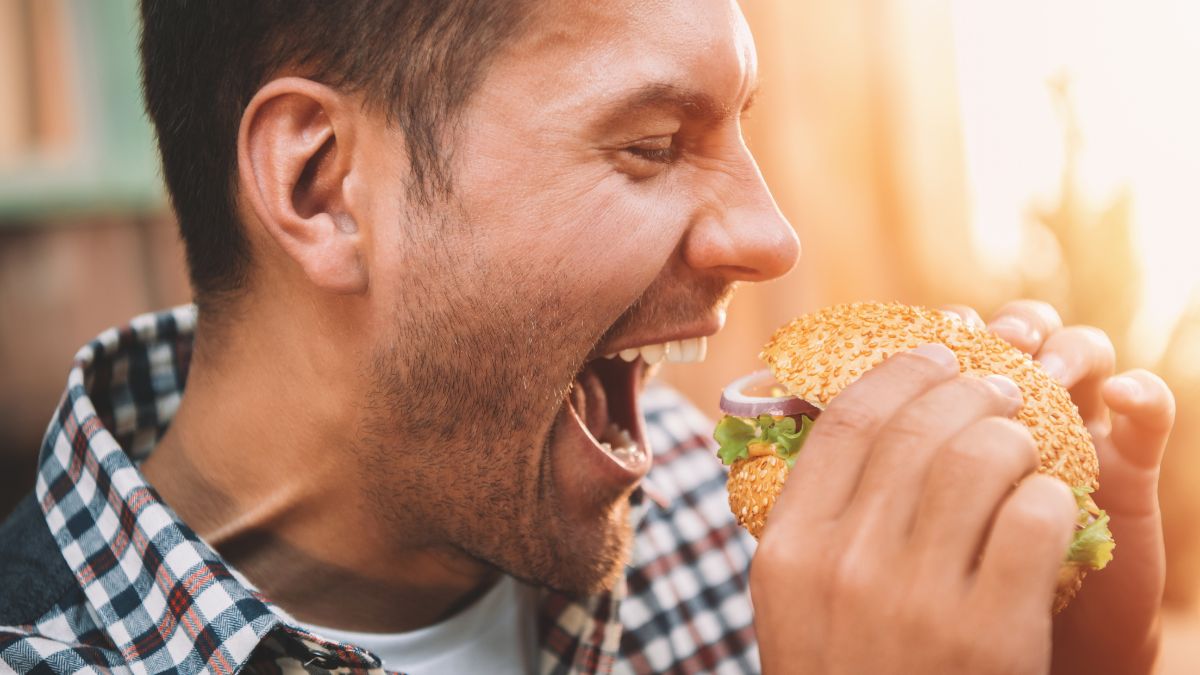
202 62
595 194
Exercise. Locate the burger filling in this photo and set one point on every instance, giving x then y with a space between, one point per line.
1092 545
779 435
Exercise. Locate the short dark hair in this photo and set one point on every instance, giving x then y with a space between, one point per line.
418 61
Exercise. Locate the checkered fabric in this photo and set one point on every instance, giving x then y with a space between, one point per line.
97 574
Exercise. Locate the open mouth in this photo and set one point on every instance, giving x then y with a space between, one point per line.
605 405
604 400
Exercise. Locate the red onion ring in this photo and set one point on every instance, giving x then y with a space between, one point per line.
736 401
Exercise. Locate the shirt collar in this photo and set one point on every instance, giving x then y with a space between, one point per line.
165 597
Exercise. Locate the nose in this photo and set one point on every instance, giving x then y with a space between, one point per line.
741 234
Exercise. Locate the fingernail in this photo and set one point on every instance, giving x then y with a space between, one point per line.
1014 328
953 316
938 353
1124 386
1005 386
1055 367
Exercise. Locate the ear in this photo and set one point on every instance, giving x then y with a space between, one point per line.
295 149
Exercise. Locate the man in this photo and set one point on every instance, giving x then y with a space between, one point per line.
415 231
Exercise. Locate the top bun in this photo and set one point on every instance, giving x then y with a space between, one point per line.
818 355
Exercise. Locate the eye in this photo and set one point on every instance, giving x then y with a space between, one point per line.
660 150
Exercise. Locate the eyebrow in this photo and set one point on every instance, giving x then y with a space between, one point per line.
695 105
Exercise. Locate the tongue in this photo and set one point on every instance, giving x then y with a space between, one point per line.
591 402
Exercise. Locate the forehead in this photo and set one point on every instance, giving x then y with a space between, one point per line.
574 51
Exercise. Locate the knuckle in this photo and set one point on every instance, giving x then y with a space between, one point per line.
966 455
765 567
1037 312
1042 309
790 560
1044 508
1094 334
1037 519
965 402
771 553
1011 441
1101 343
915 366
781 556
968 388
853 580
847 418
906 429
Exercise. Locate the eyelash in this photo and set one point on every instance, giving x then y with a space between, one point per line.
666 155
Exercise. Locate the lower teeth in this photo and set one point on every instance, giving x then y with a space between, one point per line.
620 445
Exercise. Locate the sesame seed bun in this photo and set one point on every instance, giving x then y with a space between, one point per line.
818 355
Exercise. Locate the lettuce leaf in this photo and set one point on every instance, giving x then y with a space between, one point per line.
732 436
1092 544
735 434
786 437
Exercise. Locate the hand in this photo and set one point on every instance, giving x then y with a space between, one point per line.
1113 624
899 545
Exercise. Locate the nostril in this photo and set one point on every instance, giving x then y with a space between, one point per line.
747 273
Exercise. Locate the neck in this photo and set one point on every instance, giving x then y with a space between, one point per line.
260 462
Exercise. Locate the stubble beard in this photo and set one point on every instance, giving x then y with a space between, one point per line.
457 449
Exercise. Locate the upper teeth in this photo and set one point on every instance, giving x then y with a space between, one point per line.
690 350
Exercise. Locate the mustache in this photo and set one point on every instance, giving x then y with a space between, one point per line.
672 302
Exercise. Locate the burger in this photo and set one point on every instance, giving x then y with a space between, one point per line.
813 358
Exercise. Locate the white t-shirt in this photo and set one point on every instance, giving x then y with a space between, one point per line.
495 634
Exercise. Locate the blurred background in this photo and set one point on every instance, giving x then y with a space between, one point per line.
928 151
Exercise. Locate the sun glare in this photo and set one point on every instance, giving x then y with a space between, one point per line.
1133 96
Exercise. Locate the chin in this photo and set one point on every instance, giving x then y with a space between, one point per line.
585 560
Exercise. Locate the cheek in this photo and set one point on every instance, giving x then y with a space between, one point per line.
555 219
602 236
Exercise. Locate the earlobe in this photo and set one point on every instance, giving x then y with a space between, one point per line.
295 147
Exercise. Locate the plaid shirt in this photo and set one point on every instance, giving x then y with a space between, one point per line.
97 574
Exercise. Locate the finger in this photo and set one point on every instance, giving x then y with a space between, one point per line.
828 470
1019 568
1143 413
1081 358
901 457
969 478
965 314
1026 324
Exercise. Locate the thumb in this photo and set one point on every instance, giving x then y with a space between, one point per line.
1143 412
